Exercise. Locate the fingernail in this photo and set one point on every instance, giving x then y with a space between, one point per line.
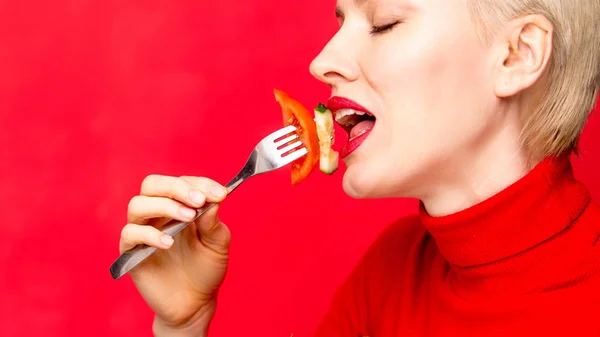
197 197
166 240
187 213
218 192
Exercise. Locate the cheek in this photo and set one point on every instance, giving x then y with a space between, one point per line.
428 82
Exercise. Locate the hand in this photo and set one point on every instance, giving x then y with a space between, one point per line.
181 279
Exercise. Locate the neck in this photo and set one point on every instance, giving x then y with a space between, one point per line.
521 216
496 161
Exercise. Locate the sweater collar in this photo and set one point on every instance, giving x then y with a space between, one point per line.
532 210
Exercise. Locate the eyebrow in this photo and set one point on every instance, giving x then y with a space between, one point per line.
358 3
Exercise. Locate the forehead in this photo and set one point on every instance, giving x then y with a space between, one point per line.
406 5
343 5
414 3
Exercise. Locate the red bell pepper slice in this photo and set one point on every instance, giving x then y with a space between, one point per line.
294 113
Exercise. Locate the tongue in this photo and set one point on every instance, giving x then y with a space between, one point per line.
361 128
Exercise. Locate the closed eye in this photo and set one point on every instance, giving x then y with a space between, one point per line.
382 29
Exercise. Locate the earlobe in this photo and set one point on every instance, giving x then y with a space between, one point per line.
526 54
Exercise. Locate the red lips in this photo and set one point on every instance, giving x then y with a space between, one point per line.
336 103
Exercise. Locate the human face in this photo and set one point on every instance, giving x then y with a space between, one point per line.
419 67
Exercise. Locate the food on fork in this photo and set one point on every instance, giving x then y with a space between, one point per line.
328 161
294 113
316 133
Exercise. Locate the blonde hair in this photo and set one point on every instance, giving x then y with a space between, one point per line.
555 126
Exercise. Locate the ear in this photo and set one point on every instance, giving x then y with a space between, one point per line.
526 49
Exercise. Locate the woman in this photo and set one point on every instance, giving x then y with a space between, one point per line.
477 106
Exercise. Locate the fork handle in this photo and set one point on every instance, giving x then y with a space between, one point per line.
131 258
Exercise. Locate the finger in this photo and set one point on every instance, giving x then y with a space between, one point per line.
213 233
142 208
133 235
214 191
173 187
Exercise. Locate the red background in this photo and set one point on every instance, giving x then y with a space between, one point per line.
95 95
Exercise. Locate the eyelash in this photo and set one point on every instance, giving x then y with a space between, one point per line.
385 28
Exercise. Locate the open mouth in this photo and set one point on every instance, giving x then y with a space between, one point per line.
355 123
354 119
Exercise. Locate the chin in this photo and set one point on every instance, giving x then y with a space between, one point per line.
351 190
367 180
360 182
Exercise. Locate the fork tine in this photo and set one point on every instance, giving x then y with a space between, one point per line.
280 133
294 155
290 147
286 140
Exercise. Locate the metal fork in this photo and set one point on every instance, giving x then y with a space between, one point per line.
269 154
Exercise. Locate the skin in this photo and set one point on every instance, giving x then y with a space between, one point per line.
446 133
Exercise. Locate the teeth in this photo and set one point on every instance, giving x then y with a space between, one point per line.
347 112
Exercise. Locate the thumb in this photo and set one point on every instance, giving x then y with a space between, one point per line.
212 232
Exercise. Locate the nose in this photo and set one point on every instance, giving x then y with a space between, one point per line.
336 63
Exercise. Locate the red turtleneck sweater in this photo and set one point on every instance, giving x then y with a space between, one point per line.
525 262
